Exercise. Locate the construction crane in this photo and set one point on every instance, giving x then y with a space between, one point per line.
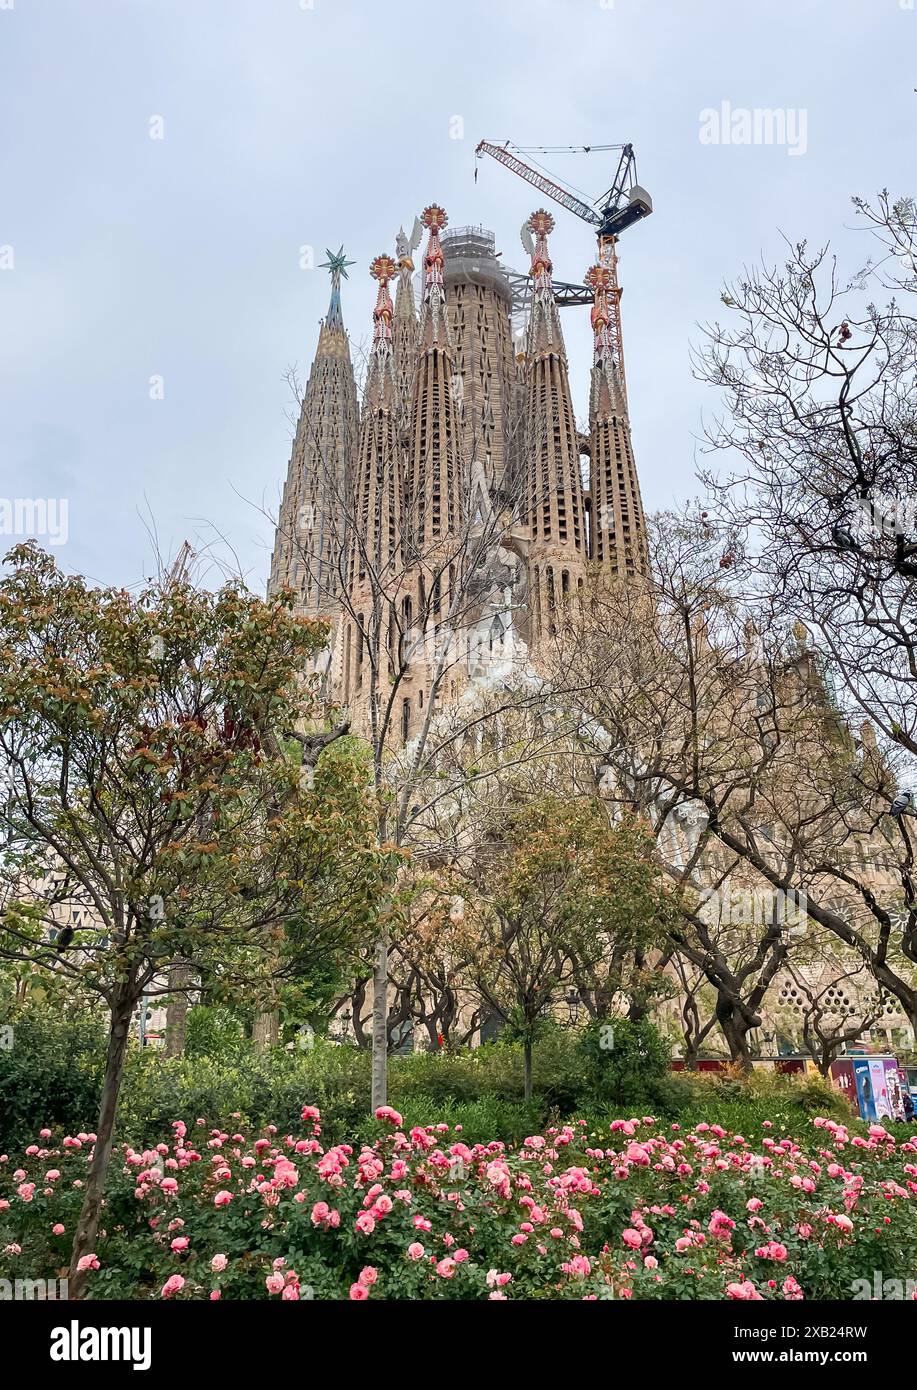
625 203
180 567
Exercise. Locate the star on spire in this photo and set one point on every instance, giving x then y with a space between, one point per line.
337 263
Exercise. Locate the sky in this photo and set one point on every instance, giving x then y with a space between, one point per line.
164 163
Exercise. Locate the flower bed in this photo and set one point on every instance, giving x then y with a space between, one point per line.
641 1212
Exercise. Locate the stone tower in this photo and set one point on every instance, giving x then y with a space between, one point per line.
374 560
460 488
553 503
479 299
436 466
436 478
308 555
404 333
618 535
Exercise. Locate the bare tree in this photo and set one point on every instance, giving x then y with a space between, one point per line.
731 742
817 377
834 1005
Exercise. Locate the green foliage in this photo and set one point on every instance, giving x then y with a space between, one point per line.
53 1076
623 1062
570 900
143 741
213 1031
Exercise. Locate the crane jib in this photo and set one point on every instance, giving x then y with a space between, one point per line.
624 204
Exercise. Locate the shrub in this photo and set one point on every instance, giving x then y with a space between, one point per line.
52 1071
213 1032
623 1062
631 1211
53 1076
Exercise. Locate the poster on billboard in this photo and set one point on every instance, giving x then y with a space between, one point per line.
879 1080
863 1079
895 1088
842 1077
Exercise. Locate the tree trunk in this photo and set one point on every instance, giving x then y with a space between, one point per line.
380 1025
266 1030
736 1034
88 1224
527 1060
177 1009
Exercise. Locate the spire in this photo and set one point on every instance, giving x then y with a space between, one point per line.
337 264
375 545
405 330
436 471
380 381
434 328
618 536
553 505
607 392
308 556
544 333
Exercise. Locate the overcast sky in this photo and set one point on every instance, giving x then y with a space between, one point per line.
128 258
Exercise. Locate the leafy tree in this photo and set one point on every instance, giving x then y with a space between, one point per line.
559 899
156 798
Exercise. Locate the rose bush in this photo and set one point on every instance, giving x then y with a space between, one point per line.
640 1212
